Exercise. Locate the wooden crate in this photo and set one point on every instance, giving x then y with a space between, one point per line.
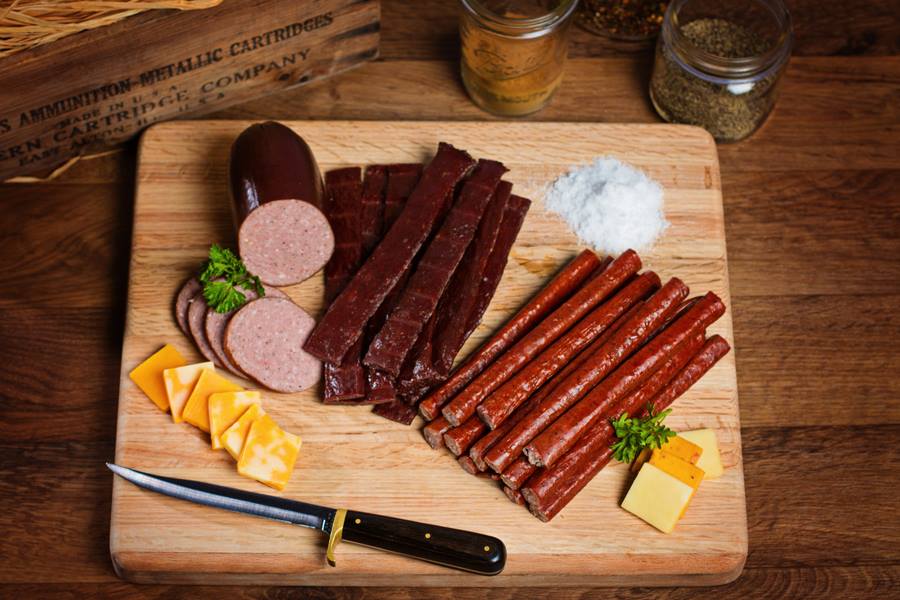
101 87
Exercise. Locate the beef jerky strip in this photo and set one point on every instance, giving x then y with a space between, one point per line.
459 320
391 345
401 180
433 362
371 226
346 318
398 411
343 382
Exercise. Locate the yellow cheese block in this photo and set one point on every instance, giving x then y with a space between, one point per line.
657 498
683 449
149 374
196 411
180 382
269 453
224 409
677 467
710 461
233 438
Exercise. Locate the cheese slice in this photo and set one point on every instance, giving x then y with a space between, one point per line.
233 438
224 409
196 411
678 468
149 374
683 448
180 382
657 498
269 453
710 461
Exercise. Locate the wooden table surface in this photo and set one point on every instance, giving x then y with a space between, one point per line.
812 207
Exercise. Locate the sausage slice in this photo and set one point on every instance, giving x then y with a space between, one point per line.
285 241
183 300
265 340
196 322
215 323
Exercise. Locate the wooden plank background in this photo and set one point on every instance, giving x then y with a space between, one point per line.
812 207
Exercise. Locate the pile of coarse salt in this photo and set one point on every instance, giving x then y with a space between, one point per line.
610 205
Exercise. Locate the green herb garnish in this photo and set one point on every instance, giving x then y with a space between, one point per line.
221 277
638 433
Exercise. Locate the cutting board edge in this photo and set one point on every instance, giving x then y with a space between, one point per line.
732 567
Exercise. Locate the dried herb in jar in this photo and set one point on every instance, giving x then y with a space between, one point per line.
627 19
729 108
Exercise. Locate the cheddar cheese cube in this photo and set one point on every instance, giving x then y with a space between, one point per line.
683 449
233 438
269 453
677 467
180 382
196 411
657 498
149 374
224 409
710 461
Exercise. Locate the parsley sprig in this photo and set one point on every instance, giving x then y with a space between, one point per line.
638 433
221 277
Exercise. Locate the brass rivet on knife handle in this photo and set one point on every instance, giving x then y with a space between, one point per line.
337 530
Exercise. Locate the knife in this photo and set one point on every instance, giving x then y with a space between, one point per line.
455 548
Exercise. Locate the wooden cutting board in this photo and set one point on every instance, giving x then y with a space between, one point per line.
352 458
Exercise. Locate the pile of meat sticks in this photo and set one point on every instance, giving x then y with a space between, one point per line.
532 406
418 256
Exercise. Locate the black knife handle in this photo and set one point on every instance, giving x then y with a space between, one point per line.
466 550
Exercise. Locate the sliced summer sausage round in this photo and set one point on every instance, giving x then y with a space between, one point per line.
285 241
265 340
183 300
196 325
215 323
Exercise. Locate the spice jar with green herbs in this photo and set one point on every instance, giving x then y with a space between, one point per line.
718 65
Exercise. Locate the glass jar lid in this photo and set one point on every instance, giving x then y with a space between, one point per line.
696 32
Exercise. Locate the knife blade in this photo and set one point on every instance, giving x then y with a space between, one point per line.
455 548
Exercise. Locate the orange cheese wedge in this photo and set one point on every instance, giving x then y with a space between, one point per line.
224 409
196 411
149 374
269 453
233 438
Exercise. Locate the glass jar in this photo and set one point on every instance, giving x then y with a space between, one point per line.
718 64
513 52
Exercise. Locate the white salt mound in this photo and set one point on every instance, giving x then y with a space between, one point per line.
610 205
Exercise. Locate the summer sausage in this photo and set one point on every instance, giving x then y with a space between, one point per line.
265 340
183 301
276 197
572 276
545 333
196 325
559 437
215 322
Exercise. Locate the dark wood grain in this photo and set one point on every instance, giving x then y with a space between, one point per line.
813 224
